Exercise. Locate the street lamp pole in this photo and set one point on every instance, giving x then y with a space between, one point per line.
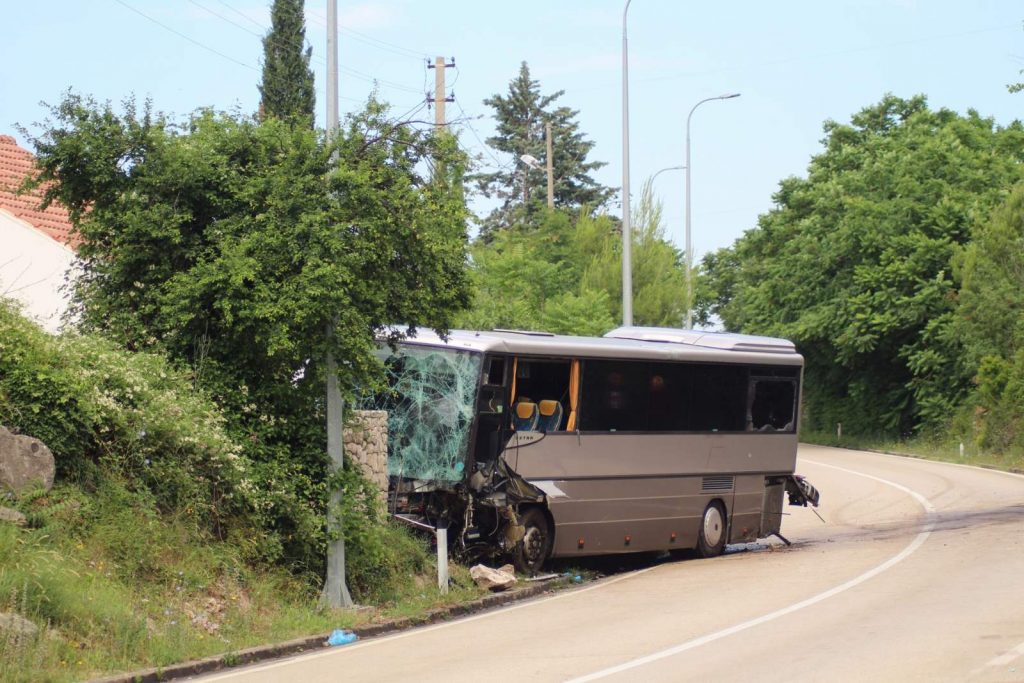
689 242
627 237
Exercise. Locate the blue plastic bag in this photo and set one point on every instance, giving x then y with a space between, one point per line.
342 637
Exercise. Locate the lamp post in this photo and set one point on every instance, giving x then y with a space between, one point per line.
627 238
689 244
667 168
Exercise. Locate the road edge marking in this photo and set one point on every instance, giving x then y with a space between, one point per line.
922 536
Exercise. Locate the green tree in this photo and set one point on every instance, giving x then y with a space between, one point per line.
566 277
991 324
520 117
854 263
232 245
286 88
659 269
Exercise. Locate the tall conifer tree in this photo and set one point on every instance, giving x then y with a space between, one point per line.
286 88
521 115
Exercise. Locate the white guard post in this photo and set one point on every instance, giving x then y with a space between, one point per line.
442 558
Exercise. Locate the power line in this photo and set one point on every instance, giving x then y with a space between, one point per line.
188 38
242 14
486 147
288 43
370 40
222 17
210 49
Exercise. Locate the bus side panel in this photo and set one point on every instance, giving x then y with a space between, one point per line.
632 492
600 516
745 525
610 454
754 452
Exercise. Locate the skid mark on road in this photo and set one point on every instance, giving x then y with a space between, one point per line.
918 541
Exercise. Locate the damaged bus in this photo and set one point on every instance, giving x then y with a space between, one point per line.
534 445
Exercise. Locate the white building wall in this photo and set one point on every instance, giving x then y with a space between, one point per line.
32 271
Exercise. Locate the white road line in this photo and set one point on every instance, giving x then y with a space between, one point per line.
418 631
1001 660
918 541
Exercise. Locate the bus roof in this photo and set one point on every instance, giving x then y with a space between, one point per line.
624 342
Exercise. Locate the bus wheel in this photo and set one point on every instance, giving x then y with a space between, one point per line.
711 540
533 551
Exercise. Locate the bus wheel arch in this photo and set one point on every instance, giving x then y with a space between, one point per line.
714 529
533 551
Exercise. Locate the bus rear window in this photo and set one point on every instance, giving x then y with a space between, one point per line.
772 404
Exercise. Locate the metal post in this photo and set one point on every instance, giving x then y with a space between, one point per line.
335 591
689 242
627 237
551 166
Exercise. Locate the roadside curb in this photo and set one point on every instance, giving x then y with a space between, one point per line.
260 653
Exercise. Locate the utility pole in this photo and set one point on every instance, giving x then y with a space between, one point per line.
335 593
439 97
551 166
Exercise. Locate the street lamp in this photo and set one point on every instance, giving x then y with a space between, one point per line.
627 238
689 244
668 168
531 161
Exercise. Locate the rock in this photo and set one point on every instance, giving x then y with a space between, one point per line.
12 516
24 462
16 628
493 579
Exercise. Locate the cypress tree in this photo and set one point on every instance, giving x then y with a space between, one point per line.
286 88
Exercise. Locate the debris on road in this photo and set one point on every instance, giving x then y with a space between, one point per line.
341 637
493 579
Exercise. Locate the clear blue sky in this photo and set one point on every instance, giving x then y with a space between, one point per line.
795 63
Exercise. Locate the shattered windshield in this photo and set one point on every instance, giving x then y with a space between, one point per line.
430 403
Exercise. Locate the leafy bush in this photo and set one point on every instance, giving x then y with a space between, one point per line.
132 413
157 455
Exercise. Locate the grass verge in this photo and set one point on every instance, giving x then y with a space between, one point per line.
945 449
115 586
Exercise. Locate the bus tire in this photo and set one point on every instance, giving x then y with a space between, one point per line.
713 530
533 551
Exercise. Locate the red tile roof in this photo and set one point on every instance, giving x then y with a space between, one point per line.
15 164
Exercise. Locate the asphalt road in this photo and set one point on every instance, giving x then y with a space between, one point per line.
917 574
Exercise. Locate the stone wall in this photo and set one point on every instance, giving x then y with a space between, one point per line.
366 444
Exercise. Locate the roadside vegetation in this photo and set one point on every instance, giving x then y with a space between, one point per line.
895 267
155 546
933 446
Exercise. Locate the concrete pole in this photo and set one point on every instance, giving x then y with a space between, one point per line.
627 236
335 592
551 167
439 95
